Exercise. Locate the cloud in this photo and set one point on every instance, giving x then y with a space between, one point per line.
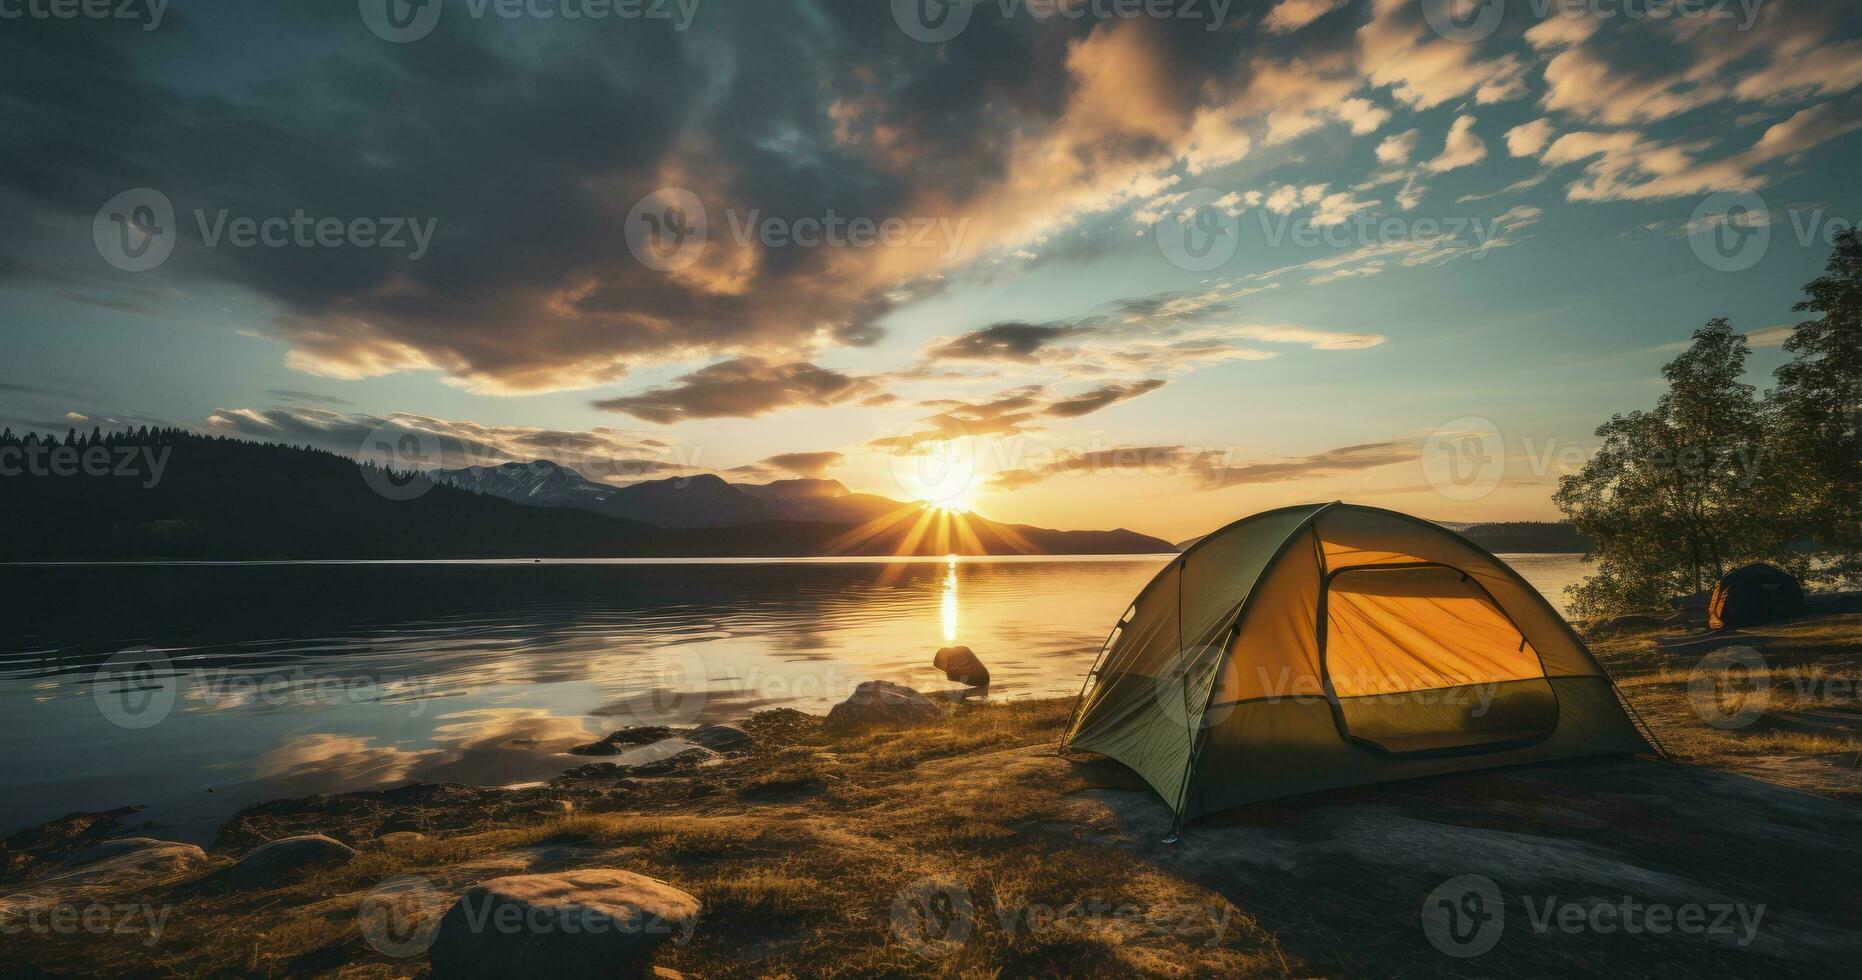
310 397
1396 150
1529 139
1316 339
810 465
1397 48
1291 15
405 439
1462 149
1217 471
743 387
1208 469
1004 342
1104 396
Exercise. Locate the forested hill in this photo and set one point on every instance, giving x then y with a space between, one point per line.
173 494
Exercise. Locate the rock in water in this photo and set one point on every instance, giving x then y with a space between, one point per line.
960 664
595 922
882 703
283 860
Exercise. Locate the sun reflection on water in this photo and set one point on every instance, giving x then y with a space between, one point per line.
950 601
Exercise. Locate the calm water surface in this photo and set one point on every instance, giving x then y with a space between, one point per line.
197 689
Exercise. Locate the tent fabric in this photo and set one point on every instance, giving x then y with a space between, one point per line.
1753 596
1333 645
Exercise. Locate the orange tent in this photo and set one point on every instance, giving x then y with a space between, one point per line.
1333 645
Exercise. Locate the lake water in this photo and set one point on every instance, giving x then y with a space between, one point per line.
197 689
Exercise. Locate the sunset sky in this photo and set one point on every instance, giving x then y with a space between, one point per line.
1410 231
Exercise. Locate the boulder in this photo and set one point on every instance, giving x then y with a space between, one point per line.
691 758
284 860
104 850
960 664
624 739
107 873
718 738
594 922
882 704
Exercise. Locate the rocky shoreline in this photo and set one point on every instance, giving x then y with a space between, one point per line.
856 844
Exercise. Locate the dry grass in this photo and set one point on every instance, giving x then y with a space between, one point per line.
1809 666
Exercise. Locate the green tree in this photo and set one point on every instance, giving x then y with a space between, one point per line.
1669 495
1817 439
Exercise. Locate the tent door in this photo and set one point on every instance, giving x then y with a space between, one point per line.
1418 660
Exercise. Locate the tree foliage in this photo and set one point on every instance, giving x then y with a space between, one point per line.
1714 477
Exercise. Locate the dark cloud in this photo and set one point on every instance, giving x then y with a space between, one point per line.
1210 469
310 397
1217 470
1004 342
407 440
1103 396
743 387
811 465
527 145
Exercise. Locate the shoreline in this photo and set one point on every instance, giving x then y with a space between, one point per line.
798 841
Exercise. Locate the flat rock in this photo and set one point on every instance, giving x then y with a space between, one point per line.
118 869
283 860
626 738
690 758
882 704
961 664
593 922
718 738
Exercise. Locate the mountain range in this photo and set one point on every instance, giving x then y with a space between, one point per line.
681 502
223 499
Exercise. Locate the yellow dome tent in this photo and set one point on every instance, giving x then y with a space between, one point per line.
1331 645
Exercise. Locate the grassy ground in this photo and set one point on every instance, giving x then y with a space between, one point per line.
1789 710
852 856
